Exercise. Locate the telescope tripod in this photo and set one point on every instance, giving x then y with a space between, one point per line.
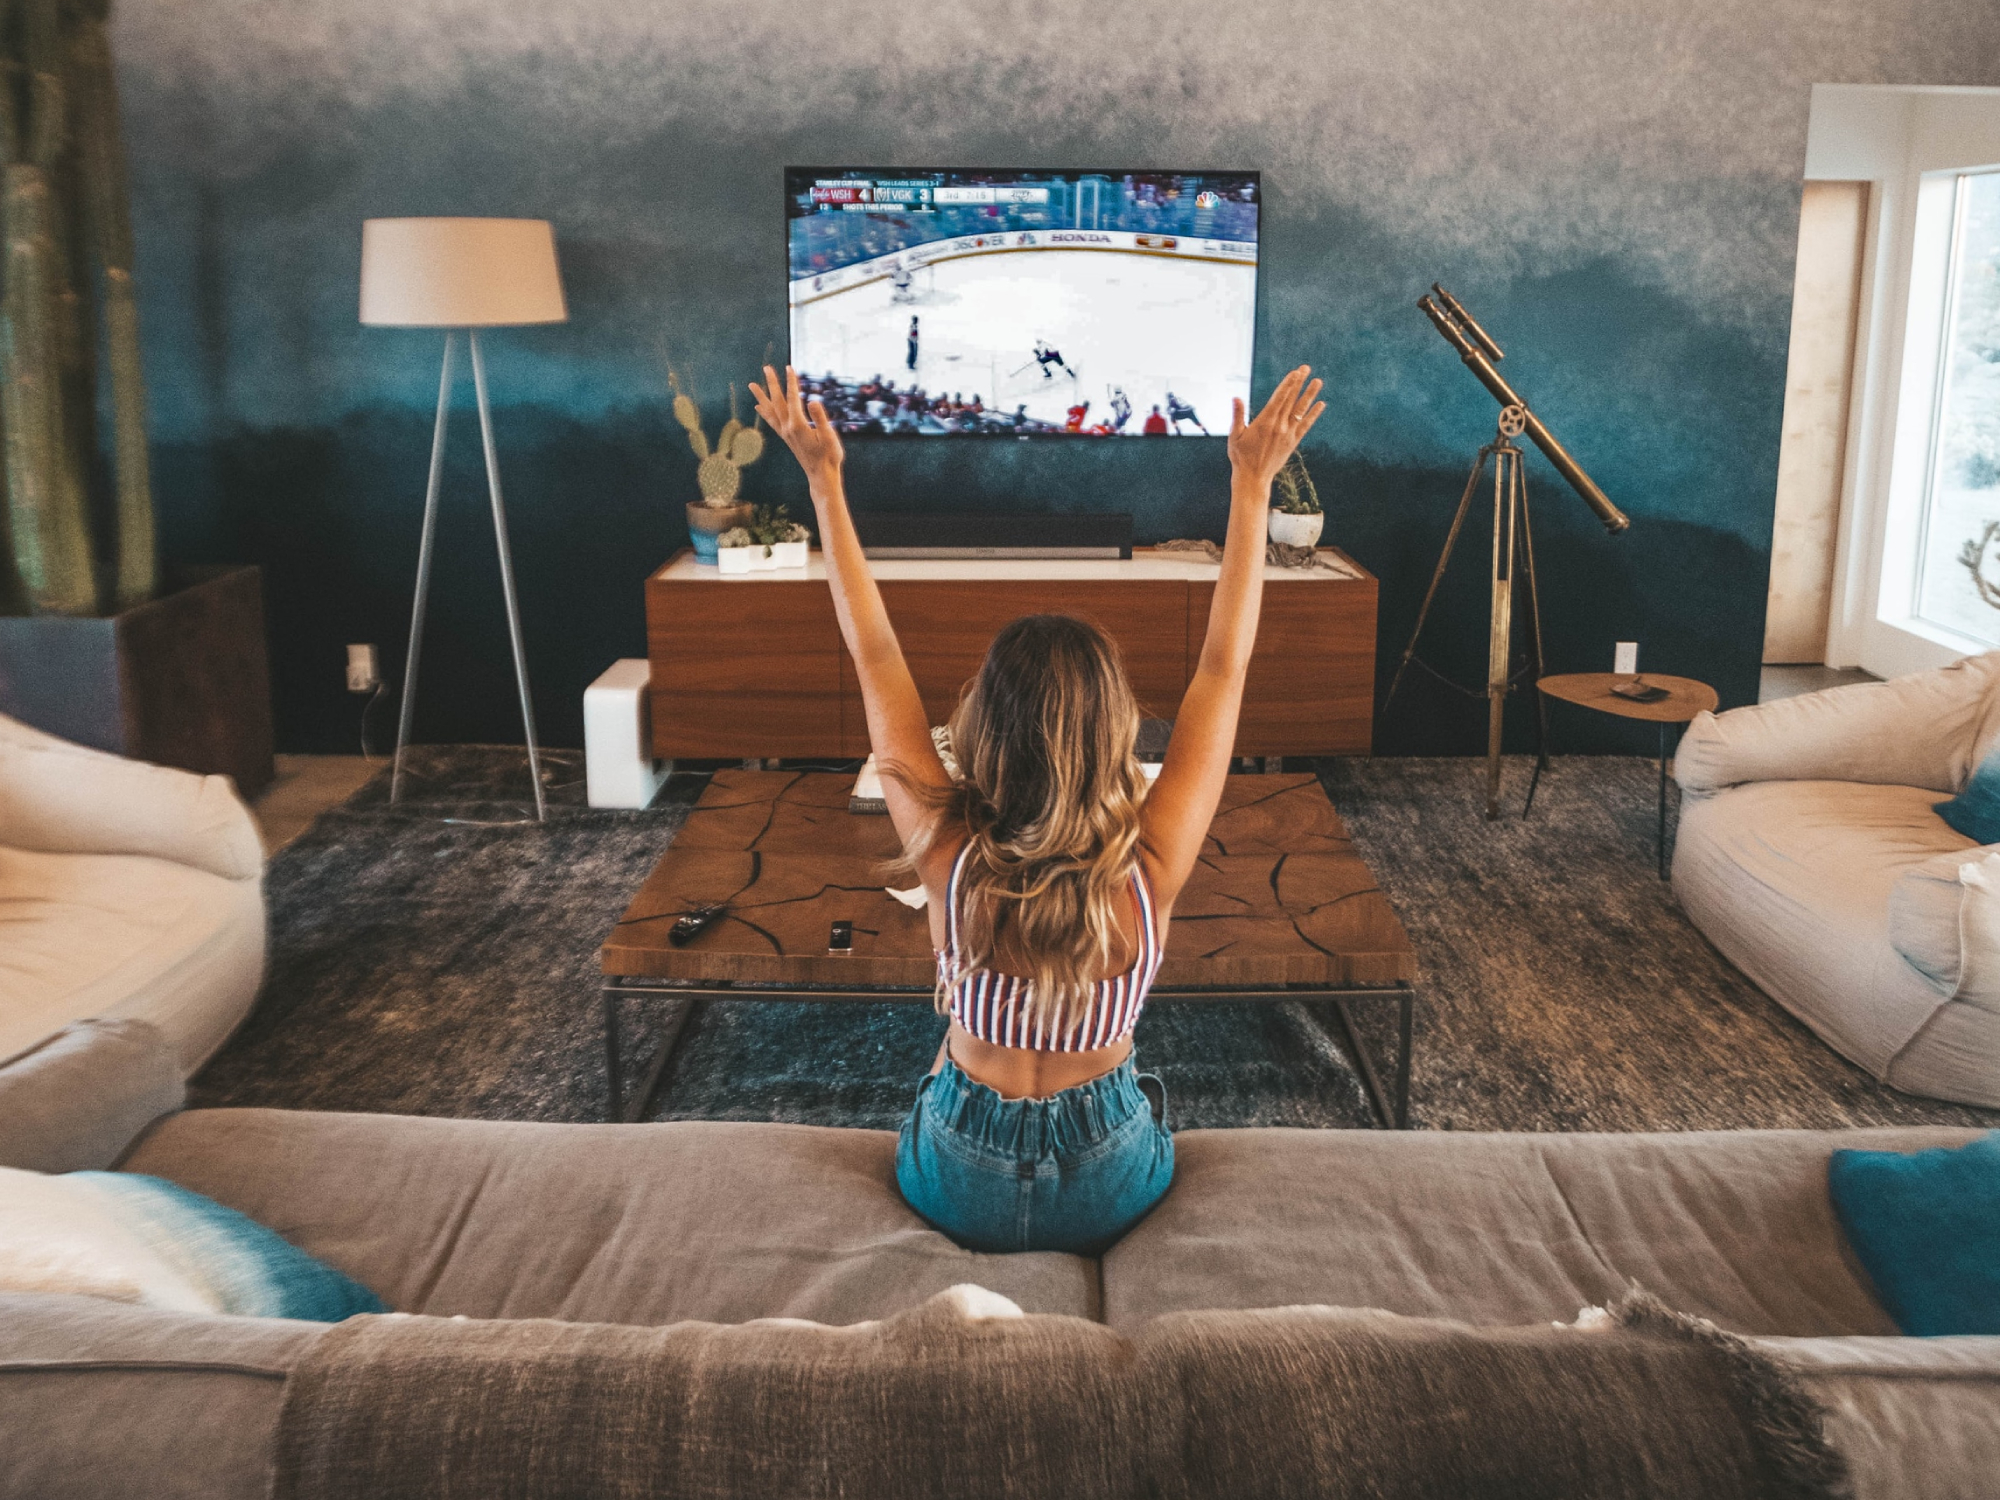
1513 559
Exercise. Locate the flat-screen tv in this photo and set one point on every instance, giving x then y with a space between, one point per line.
930 302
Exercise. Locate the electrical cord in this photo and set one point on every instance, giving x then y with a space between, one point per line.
569 760
381 691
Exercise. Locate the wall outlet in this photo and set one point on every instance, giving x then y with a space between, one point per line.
1625 661
363 676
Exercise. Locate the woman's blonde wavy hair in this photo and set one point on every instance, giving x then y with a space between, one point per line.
1049 806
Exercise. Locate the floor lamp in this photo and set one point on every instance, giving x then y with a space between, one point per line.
464 274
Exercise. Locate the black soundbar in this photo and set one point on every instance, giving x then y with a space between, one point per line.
930 534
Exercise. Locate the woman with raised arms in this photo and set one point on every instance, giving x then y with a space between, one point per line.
1051 870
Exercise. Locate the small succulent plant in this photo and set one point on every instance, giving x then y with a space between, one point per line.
1296 494
767 528
735 448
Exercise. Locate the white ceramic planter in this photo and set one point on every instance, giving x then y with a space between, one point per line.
752 559
1296 531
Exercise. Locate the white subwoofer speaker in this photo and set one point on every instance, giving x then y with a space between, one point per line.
619 766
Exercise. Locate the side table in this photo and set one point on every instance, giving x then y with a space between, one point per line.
1685 698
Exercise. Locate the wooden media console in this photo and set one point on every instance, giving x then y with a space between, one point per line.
752 665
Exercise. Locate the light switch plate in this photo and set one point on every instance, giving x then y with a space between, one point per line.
1626 660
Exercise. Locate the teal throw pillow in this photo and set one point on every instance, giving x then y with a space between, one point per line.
1926 1224
1975 812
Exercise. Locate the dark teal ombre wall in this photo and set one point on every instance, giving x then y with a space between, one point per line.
1613 189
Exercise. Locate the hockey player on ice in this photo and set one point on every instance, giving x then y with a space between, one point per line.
1046 356
899 279
912 360
1178 411
1121 408
1076 416
1156 425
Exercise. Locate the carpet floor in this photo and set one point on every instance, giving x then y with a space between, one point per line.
439 956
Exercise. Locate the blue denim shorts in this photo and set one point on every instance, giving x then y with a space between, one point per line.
1071 1172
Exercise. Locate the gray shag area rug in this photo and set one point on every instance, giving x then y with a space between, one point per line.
439 957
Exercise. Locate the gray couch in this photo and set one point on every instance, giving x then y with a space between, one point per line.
1810 855
658 1224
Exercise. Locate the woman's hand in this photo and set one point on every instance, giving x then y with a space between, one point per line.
809 435
1257 450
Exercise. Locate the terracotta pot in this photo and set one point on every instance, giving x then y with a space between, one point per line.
1294 530
706 522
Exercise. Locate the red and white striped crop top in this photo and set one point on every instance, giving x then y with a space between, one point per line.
989 1005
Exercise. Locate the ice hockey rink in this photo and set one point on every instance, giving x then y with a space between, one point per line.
1147 322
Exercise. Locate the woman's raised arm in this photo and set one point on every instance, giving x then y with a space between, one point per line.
898 728
1182 802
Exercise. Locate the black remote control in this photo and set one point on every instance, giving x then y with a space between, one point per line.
692 924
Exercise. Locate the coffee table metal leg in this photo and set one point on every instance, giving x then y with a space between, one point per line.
1662 838
613 1073
1406 1029
670 1036
621 1110
1364 1064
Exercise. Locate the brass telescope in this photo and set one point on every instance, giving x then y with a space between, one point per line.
1476 347
1513 541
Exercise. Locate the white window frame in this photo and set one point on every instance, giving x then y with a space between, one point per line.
1910 144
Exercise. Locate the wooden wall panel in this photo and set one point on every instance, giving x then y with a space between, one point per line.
743 668
1812 455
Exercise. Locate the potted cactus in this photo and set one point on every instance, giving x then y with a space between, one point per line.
720 474
1296 519
771 540
96 645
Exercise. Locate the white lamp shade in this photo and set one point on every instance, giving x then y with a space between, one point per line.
459 273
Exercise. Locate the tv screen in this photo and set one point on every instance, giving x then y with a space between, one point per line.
935 303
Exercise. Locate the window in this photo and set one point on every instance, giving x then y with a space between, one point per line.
1958 584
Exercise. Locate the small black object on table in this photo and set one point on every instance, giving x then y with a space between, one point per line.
1682 700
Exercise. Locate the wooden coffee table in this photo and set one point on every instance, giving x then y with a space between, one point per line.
1685 699
1279 908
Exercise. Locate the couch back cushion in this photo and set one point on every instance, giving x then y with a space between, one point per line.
1926 730
68 799
718 1220
78 1100
1502 1229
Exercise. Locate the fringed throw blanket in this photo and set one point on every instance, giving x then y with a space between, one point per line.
965 1397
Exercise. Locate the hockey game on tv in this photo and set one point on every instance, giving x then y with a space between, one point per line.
1023 303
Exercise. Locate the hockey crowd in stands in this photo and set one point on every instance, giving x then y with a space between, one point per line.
880 406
